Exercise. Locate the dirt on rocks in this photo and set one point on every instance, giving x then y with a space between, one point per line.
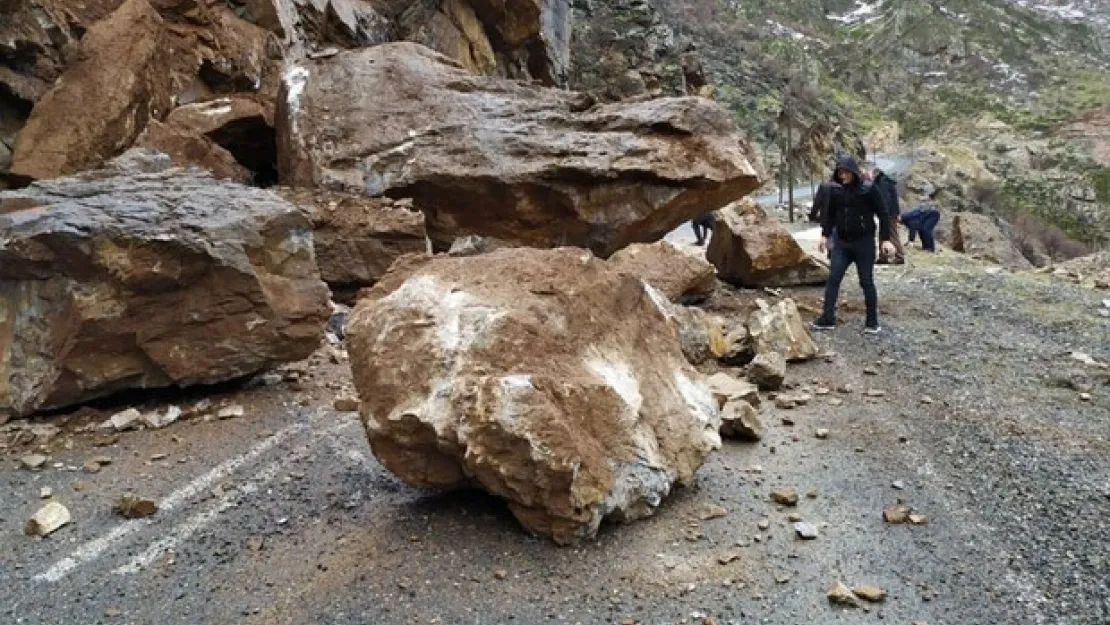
972 414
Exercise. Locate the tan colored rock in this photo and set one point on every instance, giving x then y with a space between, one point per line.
530 165
726 388
840 594
139 276
682 278
357 238
472 245
49 519
553 402
896 515
751 249
768 371
739 419
980 237
872 594
785 496
700 334
780 328
131 506
104 99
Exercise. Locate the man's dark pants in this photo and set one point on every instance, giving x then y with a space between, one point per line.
927 229
862 253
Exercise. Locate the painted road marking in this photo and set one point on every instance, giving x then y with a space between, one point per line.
190 526
97 547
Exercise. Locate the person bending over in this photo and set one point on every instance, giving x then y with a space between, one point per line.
922 219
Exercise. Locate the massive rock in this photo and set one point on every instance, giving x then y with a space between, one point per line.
681 277
516 38
981 237
525 372
751 249
104 100
530 165
141 276
132 67
357 238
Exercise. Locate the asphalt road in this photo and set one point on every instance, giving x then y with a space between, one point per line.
283 516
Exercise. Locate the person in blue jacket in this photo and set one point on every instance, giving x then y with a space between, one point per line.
922 219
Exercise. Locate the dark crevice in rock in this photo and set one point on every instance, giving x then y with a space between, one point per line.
253 143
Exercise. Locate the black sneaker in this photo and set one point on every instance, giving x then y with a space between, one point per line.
823 324
872 328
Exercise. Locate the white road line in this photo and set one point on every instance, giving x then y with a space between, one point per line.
190 526
96 547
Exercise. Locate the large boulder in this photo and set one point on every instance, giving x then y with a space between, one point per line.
981 237
530 165
681 277
121 80
525 372
751 249
132 67
141 276
780 328
356 237
516 38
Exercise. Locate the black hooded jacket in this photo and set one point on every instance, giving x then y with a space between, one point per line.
854 207
888 191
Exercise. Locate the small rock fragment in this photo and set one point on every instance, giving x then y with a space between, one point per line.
728 557
821 433
805 531
347 404
898 485
740 420
875 393
785 496
812 494
231 412
46 492
793 517
764 524
873 594
48 519
91 466
501 574
132 506
124 420
896 515
870 371
32 462
768 371
840 594
782 578
1085 396
712 511
836 401
785 402
918 519
102 460
155 419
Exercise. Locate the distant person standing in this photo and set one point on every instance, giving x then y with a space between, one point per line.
888 191
702 224
853 213
922 219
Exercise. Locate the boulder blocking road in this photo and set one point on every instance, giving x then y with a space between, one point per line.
283 516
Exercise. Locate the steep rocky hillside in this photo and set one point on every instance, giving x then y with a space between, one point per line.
1014 86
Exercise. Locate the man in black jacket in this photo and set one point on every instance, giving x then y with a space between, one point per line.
888 191
853 211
